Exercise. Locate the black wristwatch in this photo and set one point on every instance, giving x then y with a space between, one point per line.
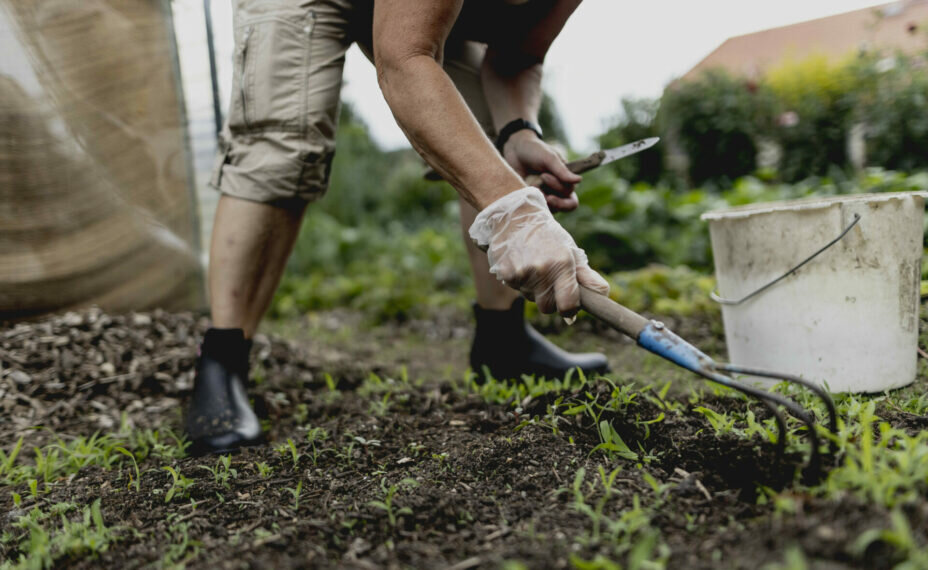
513 127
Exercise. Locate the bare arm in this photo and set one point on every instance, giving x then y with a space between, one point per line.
511 73
512 69
527 249
409 36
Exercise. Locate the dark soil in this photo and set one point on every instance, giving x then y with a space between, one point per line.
487 487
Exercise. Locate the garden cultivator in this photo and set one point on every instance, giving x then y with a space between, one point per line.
657 338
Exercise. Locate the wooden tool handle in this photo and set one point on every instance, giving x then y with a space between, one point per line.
578 166
620 318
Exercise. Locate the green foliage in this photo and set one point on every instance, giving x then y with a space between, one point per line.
223 471
819 96
43 543
180 484
623 226
62 458
894 106
389 272
808 109
717 118
386 242
637 121
386 504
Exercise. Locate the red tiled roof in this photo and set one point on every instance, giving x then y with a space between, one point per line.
896 26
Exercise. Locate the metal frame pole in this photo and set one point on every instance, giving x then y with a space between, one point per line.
213 74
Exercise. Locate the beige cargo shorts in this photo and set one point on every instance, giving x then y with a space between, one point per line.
279 138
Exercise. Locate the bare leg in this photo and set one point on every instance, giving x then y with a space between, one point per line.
491 293
250 246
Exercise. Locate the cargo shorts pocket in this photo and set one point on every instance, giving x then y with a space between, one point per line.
270 72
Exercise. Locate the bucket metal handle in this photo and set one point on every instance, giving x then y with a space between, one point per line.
731 302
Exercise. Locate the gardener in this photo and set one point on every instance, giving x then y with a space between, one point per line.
432 57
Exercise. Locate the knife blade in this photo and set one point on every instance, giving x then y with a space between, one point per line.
600 158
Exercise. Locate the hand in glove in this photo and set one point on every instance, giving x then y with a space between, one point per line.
528 154
529 251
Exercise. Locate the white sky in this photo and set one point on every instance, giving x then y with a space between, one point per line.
616 48
609 49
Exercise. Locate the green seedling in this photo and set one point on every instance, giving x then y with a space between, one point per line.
290 448
223 471
296 495
87 537
314 436
46 464
180 484
628 533
355 440
181 549
264 469
612 443
415 448
8 464
721 423
301 414
381 407
595 513
132 482
899 537
386 504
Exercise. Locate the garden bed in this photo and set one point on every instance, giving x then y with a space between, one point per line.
383 454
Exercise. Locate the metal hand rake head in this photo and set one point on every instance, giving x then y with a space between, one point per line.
655 337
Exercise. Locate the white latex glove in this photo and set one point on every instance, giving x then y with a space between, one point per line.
529 251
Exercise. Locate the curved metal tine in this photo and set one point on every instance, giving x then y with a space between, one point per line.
823 395
765 396
781 426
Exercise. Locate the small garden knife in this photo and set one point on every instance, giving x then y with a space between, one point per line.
600 158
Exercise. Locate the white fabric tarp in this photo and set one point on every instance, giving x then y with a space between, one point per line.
96 197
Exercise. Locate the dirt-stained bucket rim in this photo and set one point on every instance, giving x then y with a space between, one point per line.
813 203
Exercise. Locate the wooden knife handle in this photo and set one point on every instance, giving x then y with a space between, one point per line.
578 166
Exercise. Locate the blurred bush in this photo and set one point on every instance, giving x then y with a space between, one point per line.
716 120
808 113
636 122
813 104
894 107
388 243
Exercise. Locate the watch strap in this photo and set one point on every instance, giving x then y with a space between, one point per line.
513 127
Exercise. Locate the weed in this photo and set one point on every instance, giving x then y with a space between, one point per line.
295 492
316 435
290 448
381 407
132 482
8 470
223 471
264 469
386 504
611 443
900 537
180 548
301 414
179 484
86 537
721 423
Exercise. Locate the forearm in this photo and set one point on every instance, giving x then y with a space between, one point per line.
512 91
440 127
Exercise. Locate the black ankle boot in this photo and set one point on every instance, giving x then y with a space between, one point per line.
509 347
219 418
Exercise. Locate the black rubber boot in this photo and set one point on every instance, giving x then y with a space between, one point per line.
219 418
509 347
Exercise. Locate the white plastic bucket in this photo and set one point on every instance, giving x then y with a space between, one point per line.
848 319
